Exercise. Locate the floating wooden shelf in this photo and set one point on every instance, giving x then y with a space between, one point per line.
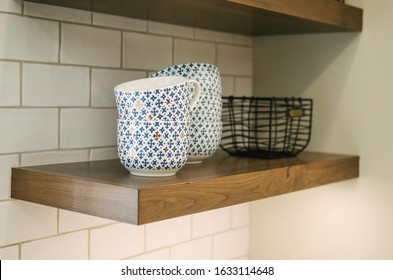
106 189
250 17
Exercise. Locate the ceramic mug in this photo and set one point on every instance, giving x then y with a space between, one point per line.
208 76
152 148
157 99
204 139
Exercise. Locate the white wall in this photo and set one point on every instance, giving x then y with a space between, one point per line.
349 76
58 67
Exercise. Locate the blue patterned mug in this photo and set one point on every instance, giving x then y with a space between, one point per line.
207 75
157 99
152 148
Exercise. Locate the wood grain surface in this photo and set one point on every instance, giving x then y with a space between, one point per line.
106 189
250 17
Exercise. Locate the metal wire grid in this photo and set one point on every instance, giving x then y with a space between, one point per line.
266 127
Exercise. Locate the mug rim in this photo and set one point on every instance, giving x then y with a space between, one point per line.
148 84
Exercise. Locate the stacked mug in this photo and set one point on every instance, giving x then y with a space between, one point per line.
205 118
153 124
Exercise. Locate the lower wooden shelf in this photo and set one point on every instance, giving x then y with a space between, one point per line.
106 189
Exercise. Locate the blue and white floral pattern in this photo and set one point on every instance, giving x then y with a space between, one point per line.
204 138
208 76
149 146
164 104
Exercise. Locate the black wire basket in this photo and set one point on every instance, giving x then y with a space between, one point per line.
266 127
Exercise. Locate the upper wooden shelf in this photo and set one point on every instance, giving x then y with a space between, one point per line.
249 17
106 189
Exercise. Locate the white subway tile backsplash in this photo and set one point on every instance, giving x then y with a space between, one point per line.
22 221
53 157
145 51
228 85
243 40
214 36
194 51
199 249
57 13
86 45
104 153
6 162
155 255
169 232
53 85
117 241
231 244
70 221
235 60
73 246
171 29
28 130
124 23
240 215
243 87
9 84
210 222
9 253
30 39
82 128
61 65
104 81
13 6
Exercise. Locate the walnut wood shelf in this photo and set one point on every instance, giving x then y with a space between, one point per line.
106 189
250 17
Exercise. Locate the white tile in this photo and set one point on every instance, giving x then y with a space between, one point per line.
104 153
73 246
169 232
243 87
200 249
231 244
210 222
9 84
28 38
21 221
6 162
9 253
50 85
144 51
83 128
156 255
194 51
13 6
54 157
28 130
171 29
70 221
124 23
103 82
117 241
214 36
57 12
243 40
234 60
240 215
228 85
88 45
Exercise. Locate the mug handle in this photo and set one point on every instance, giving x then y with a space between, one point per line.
195 99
